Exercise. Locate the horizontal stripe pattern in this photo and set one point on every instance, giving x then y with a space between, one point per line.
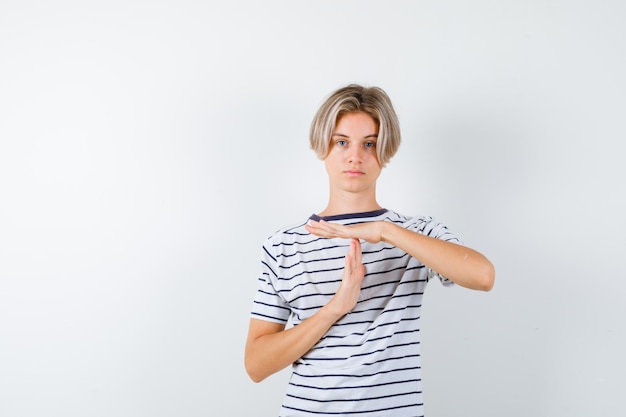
368 364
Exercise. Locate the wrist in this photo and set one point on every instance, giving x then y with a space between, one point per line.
333 311
385 231
329 313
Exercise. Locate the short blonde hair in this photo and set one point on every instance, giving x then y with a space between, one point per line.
356 98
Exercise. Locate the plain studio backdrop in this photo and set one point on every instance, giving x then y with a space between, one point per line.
148 148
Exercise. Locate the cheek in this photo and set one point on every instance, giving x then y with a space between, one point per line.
328 164
332 156
374 155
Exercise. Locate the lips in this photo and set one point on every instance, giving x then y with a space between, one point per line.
354 173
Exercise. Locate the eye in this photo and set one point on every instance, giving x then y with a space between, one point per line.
341 142
370 144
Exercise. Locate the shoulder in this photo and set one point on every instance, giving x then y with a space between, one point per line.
409 222
424 224
294 240
289 234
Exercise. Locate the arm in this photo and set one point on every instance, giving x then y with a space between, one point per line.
270 348
464 266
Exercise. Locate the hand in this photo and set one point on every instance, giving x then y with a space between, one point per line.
371 231
349 291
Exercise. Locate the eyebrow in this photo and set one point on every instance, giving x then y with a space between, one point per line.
373 135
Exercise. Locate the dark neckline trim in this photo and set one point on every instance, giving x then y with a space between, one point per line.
348 216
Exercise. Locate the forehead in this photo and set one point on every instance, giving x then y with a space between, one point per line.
356 122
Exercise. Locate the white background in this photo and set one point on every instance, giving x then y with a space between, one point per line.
148 148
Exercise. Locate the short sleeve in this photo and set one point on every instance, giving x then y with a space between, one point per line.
268 305
432 274
430 227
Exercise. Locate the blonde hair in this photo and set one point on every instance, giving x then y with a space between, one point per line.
356 98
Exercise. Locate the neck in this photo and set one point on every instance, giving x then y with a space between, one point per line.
350 203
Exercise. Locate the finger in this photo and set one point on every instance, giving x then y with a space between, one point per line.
314 229
353 251
348 266
351 265
317 227
332 227
354 256
358 258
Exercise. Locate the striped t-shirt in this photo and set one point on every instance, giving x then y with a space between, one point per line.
368 364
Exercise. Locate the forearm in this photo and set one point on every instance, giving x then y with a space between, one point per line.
271 352
462 265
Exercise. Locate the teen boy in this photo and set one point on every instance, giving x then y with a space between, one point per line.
351 278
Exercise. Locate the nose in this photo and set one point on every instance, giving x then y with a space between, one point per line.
355 155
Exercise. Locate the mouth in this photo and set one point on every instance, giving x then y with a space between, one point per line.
354 173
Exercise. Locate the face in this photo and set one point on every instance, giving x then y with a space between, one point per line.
351 163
